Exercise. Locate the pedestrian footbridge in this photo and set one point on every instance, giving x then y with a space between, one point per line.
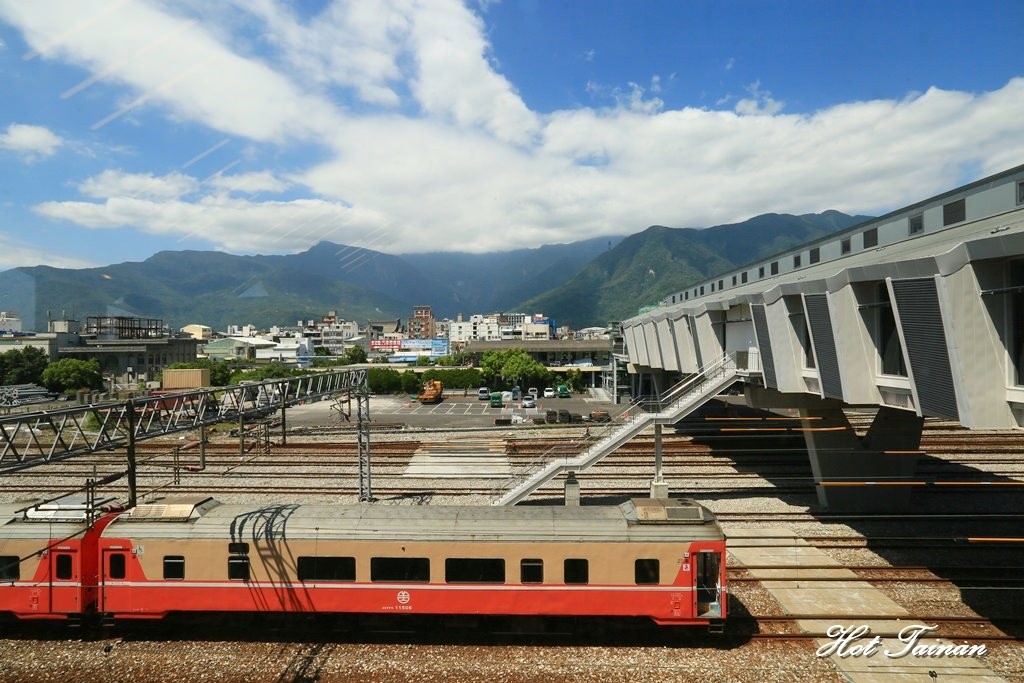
678 402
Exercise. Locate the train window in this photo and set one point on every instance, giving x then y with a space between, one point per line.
238 548
531 571
400 569
720 287
871 238
954 212
915 224
238 568
814 256
796 261
116 566
63 566
647 571
327 569
174 567
474 570
775 267
844 245
1020 192
760 271
743 278
733 280
10 568
577 571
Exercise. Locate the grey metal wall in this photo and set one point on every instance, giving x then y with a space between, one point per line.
819 321
920 320
764 345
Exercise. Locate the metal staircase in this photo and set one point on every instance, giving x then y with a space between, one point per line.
677 403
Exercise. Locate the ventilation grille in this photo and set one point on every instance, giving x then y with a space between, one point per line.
918 304
820 323
764 344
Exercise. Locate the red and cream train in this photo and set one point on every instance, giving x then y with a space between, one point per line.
657 558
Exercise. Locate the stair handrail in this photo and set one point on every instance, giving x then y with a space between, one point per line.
637 410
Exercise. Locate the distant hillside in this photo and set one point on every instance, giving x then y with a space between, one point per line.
647 266
217 289
580 284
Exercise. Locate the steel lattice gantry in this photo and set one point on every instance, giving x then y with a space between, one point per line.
54 435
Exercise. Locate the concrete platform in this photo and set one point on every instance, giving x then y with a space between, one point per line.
460 460
781 560
881 669
833 599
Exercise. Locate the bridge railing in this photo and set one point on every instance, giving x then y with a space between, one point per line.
639 410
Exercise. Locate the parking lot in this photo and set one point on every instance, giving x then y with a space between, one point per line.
453 411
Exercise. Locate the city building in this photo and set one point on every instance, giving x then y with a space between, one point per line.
421 324
128 348
199 332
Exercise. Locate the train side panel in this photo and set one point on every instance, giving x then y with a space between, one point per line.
149 578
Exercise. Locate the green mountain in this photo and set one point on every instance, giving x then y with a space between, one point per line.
646 267
217 289
580 284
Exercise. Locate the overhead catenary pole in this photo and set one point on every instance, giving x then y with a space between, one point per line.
363 430
129 408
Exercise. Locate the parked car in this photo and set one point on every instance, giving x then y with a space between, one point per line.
563 391
483 394
529 401
496 399
534 392
549 392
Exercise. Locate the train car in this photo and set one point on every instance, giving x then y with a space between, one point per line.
662 559
48 566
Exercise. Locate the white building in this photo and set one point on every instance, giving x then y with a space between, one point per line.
10 321
477 328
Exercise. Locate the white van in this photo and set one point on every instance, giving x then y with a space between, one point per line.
483 393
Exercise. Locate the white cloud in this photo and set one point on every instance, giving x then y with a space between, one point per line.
193 74
31 142
232 224
431 148
16 254
111 183
760 102
730 63
250 183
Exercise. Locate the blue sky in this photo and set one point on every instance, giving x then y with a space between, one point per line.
261 126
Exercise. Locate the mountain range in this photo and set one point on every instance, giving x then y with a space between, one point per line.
582 283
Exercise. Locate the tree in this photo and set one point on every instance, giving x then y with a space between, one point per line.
23 366
384 380
410 382
71 374
512 366
355 354
574 378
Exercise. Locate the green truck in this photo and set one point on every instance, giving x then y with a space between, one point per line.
495 399
562 391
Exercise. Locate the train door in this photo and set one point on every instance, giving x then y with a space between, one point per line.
115 590
708 593
65 581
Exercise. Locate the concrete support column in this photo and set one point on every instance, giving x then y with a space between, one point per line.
659 487
202 447
572 490
862 474
284 424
